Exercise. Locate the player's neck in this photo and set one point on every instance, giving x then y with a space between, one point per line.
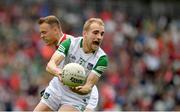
85 47
59 37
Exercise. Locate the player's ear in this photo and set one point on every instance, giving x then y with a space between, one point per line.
55 29
84 33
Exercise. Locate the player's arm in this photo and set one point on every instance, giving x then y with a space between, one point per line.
94 76
57 58
92 79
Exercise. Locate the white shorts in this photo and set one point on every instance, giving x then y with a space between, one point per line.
94 98
54 100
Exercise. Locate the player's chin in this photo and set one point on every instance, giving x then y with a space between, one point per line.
49 43
95 47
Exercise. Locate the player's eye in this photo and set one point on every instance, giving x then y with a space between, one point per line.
102 33
43 32
95 32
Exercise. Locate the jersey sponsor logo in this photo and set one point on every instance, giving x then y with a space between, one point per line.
46 95
89 66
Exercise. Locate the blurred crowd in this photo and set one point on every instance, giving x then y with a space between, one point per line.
143 50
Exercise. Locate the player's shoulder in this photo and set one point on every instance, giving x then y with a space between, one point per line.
101 55
69 36
73 37
101 52
76 39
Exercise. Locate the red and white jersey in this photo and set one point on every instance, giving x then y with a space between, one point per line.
64 37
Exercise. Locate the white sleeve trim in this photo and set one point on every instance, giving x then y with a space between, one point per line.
60 53
98 74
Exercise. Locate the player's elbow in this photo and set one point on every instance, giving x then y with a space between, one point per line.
48 67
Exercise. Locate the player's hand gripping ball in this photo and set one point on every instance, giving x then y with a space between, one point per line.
73 75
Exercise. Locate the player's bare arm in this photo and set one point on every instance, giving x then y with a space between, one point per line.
55 60
92 79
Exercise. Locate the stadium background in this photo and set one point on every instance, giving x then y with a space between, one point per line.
142 41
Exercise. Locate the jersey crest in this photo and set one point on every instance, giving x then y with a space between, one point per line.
90 66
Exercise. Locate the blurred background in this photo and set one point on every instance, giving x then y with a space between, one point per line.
142 40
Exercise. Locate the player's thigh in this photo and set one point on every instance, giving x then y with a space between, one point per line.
42 107
66 107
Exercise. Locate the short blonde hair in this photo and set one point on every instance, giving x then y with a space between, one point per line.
90 21
51 20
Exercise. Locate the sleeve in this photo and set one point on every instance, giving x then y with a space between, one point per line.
64 47
101 65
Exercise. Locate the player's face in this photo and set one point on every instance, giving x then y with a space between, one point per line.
94 36
48 34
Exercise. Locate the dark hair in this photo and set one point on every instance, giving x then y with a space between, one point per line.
51 20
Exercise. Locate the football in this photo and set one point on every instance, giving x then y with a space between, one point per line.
73 75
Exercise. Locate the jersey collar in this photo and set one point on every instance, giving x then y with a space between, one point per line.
81 44
61 39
